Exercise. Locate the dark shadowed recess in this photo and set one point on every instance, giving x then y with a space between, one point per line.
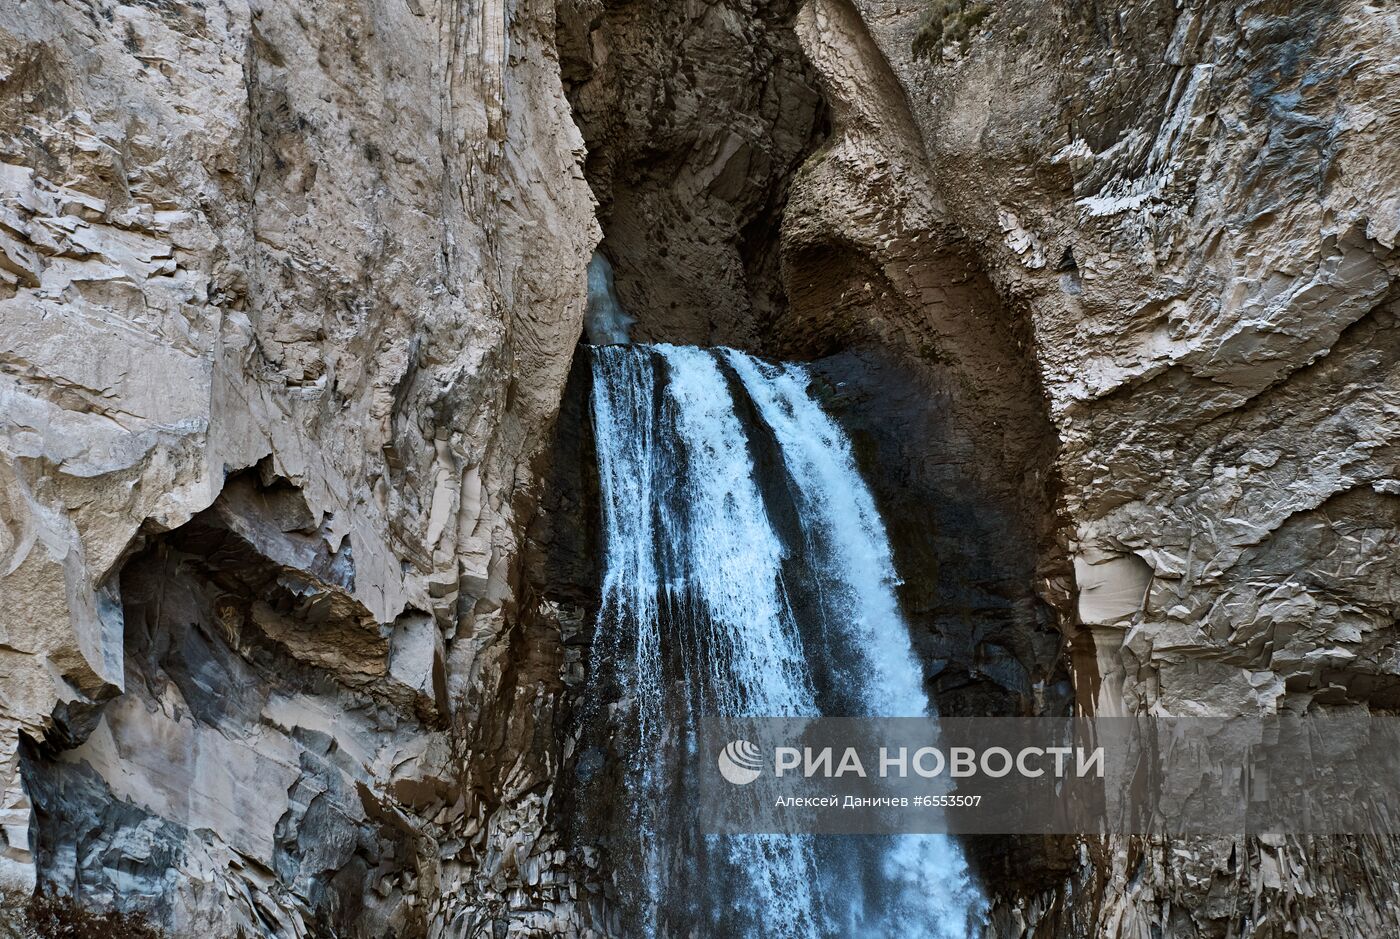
950 429
697 117
257 687
239 616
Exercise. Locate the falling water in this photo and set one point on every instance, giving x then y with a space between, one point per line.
748 573
604 319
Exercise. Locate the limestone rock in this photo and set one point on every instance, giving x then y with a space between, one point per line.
1189 211
295 566
288 295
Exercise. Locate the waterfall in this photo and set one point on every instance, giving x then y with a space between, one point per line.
748 573
604 319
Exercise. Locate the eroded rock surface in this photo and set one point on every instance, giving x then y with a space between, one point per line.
1191 211
288 294
289 627
695 116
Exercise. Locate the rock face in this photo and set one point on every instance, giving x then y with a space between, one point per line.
695 116
1187 215
295 564
288 295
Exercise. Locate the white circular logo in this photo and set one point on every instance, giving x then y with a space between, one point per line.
740 762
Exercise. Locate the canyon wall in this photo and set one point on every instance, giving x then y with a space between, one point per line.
288 295
695 116
1187 214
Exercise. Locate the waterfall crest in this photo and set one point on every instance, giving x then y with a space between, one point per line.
746 568
604 320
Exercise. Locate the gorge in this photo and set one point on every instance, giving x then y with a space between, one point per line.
1062 336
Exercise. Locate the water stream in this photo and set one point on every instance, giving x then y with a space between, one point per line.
748 573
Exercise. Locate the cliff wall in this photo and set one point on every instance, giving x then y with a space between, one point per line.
288 295
296 551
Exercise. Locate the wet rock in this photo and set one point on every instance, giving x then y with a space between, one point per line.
289 294
695 115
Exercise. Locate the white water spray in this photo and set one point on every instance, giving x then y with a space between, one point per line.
697 618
